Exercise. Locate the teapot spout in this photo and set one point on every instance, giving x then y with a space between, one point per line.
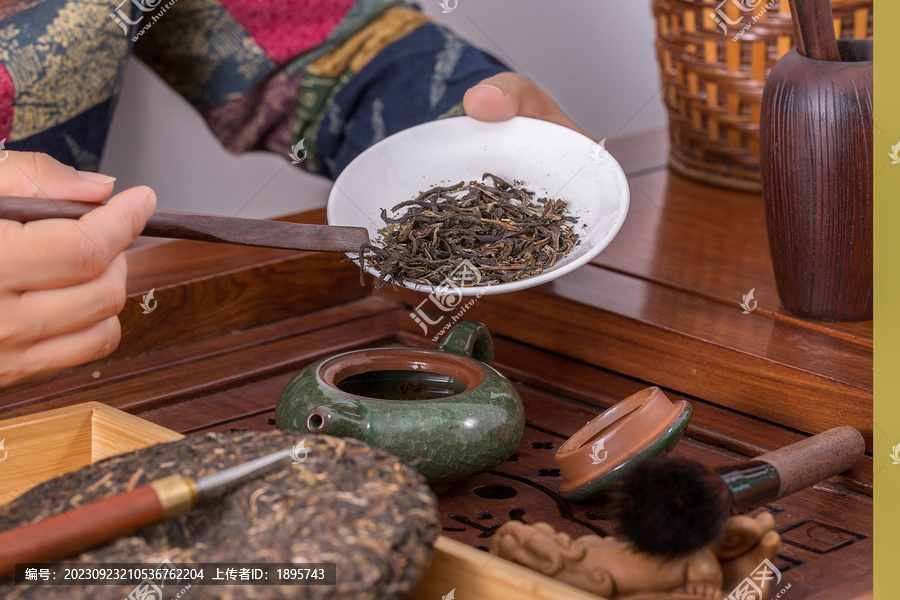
338 420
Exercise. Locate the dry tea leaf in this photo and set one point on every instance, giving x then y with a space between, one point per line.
504 232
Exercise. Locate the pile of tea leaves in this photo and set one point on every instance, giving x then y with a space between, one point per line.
500 228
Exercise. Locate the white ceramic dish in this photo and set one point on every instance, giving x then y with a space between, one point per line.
551 160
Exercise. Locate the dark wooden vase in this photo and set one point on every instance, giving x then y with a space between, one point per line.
816 160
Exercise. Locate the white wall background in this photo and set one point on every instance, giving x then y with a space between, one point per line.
595 57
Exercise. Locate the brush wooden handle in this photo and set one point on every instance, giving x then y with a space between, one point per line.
82 528
815 459
790 469
814 26
204 228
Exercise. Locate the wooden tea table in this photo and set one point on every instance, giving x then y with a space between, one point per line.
659 307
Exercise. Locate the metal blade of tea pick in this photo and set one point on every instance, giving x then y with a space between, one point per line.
205 228
218 484
82 528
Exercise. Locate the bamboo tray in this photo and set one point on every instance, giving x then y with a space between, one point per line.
471 573
41 446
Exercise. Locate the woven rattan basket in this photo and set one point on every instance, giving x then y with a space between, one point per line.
714 59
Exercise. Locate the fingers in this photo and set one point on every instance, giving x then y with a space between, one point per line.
83 305
57 253
62 281
36 175
52 355
507 95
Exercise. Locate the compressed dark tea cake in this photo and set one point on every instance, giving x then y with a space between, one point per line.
345 503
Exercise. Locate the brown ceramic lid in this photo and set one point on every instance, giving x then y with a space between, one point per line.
640 426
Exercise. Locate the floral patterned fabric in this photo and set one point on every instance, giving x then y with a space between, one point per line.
264 74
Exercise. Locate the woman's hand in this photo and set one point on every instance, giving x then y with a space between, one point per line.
62 281
507 95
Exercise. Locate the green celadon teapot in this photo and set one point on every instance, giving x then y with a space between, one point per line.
447 407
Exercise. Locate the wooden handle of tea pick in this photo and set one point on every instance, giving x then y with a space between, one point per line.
814 26
816 459
205 228
82 528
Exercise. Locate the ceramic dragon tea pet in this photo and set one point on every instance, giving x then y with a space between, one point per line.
614 569
446 408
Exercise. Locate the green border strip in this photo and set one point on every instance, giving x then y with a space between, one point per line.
887 293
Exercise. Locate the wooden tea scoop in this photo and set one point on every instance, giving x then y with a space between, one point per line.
205 228
82 528
814 26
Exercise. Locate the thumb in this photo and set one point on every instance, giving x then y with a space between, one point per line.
116 224
506 95
38 175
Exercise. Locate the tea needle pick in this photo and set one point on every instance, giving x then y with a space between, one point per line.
81 528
